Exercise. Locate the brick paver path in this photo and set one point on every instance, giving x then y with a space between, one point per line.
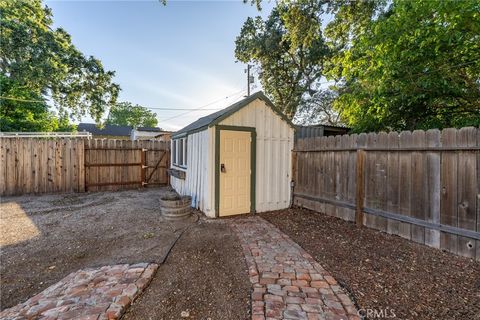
88 294
287 282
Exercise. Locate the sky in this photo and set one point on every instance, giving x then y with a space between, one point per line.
176 56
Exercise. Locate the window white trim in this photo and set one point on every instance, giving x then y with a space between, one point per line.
179 153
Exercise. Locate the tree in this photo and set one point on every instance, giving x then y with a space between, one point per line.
414 65
127 114
396 64
290 60
43 63
28 111
319 109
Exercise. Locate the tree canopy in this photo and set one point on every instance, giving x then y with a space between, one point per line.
291 61
127 114
396 65
28 111
40 62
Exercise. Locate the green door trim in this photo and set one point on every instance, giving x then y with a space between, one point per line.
253 164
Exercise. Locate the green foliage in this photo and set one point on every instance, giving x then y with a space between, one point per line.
290 59
414 66
43 62
127 114
29 112
397 64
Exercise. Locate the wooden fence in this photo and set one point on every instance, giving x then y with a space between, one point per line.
46 165
423 186
123 164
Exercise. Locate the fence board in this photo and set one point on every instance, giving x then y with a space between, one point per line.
405 170
393 182
422 186
370 167
448 204
81 166
418 188
2 166
46 165
466 197
477 243
432 237
381 180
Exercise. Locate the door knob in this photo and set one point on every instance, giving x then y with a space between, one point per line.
222 168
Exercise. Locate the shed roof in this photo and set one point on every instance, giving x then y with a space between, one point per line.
214 118
108 130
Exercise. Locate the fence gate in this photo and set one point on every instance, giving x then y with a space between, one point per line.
123 164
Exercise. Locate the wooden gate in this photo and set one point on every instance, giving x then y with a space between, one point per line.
123 164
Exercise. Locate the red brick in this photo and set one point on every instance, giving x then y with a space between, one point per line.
123 301
294 306
291 288
257 310
272 275
288 275
294 314
313 301
296 300
284 282
299 283
271 297
303 276
267 281
331 280
257 296
312 308
316 276
319 284
273 313
309 290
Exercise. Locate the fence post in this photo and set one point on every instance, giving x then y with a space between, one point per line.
360 187
144 166
293 177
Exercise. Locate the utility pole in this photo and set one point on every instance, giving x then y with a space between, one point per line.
248 78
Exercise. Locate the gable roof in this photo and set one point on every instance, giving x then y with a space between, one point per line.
108 130
152 129
216 117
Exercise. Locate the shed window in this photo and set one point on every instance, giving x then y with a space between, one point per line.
179 152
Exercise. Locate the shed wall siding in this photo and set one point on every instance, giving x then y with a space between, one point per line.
197 183
274 144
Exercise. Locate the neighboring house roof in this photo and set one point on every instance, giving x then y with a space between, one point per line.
216 117
151 129
108 130
324 126
319 130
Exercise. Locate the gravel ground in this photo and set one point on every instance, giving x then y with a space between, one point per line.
44 238
386 272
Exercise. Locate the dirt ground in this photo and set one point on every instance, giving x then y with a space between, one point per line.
44 238
386 272
204 279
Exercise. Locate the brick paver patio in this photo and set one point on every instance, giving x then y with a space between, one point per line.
287 282
88 294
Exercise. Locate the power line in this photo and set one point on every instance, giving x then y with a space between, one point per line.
202 107
20 100
180 109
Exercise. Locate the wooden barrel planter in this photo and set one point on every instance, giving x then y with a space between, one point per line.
174 207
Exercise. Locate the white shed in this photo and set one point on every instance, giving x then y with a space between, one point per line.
236 160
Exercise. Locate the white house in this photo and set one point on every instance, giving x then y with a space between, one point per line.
147 133
236 160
